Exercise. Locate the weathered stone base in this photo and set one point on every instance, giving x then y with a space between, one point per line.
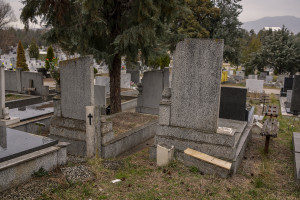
19 170
72 131
12 120
34 126
225 147
128 140
152 111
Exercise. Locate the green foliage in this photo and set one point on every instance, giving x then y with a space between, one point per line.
279 51
214 19
193 169
107 29
199 22
160 62
95 71
228 27
49 57
54 70
42 172
33 50
21 59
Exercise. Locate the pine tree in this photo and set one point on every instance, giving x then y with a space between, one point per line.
107 29
228 27
278 51
34 50
49 57
199 22
21 59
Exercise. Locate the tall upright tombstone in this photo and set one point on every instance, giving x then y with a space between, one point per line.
189 111
196 84
295 102
288 85
69 123
150 91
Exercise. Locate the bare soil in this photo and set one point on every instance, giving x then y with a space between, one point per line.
125 121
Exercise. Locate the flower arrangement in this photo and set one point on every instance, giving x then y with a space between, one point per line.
132 84
123 67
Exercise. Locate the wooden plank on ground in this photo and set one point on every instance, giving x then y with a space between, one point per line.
207 158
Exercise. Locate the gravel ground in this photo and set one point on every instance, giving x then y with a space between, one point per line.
36 186
77 173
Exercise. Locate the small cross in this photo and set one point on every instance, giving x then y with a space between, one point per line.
90 116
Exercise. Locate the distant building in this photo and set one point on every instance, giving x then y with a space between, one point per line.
272 28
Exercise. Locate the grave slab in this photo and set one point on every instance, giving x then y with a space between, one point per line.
18 143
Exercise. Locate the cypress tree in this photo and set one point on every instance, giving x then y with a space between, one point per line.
34 50
21 59
49 57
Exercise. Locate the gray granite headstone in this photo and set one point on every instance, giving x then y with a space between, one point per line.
252 76
153 84
100 95
269 78
77 87
135 75
254 85
104 81
196 81
241 74
125 80
295 102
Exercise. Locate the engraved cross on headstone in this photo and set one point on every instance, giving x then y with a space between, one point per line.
90 116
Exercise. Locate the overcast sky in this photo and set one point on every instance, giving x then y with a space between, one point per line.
252 9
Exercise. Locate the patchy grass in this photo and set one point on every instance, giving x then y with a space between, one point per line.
125 121
260 176
11 97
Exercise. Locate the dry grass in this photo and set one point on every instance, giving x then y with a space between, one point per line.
260 176
125 121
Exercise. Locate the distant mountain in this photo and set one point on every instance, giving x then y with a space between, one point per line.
291 22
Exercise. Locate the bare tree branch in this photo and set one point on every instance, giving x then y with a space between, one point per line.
6 14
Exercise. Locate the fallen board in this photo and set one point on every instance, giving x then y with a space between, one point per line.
208 158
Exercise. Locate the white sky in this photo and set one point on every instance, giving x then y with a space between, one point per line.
256 9
252 9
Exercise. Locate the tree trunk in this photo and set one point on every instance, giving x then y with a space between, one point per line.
115 85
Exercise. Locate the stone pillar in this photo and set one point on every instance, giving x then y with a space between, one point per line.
93 133
3 137
2 91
